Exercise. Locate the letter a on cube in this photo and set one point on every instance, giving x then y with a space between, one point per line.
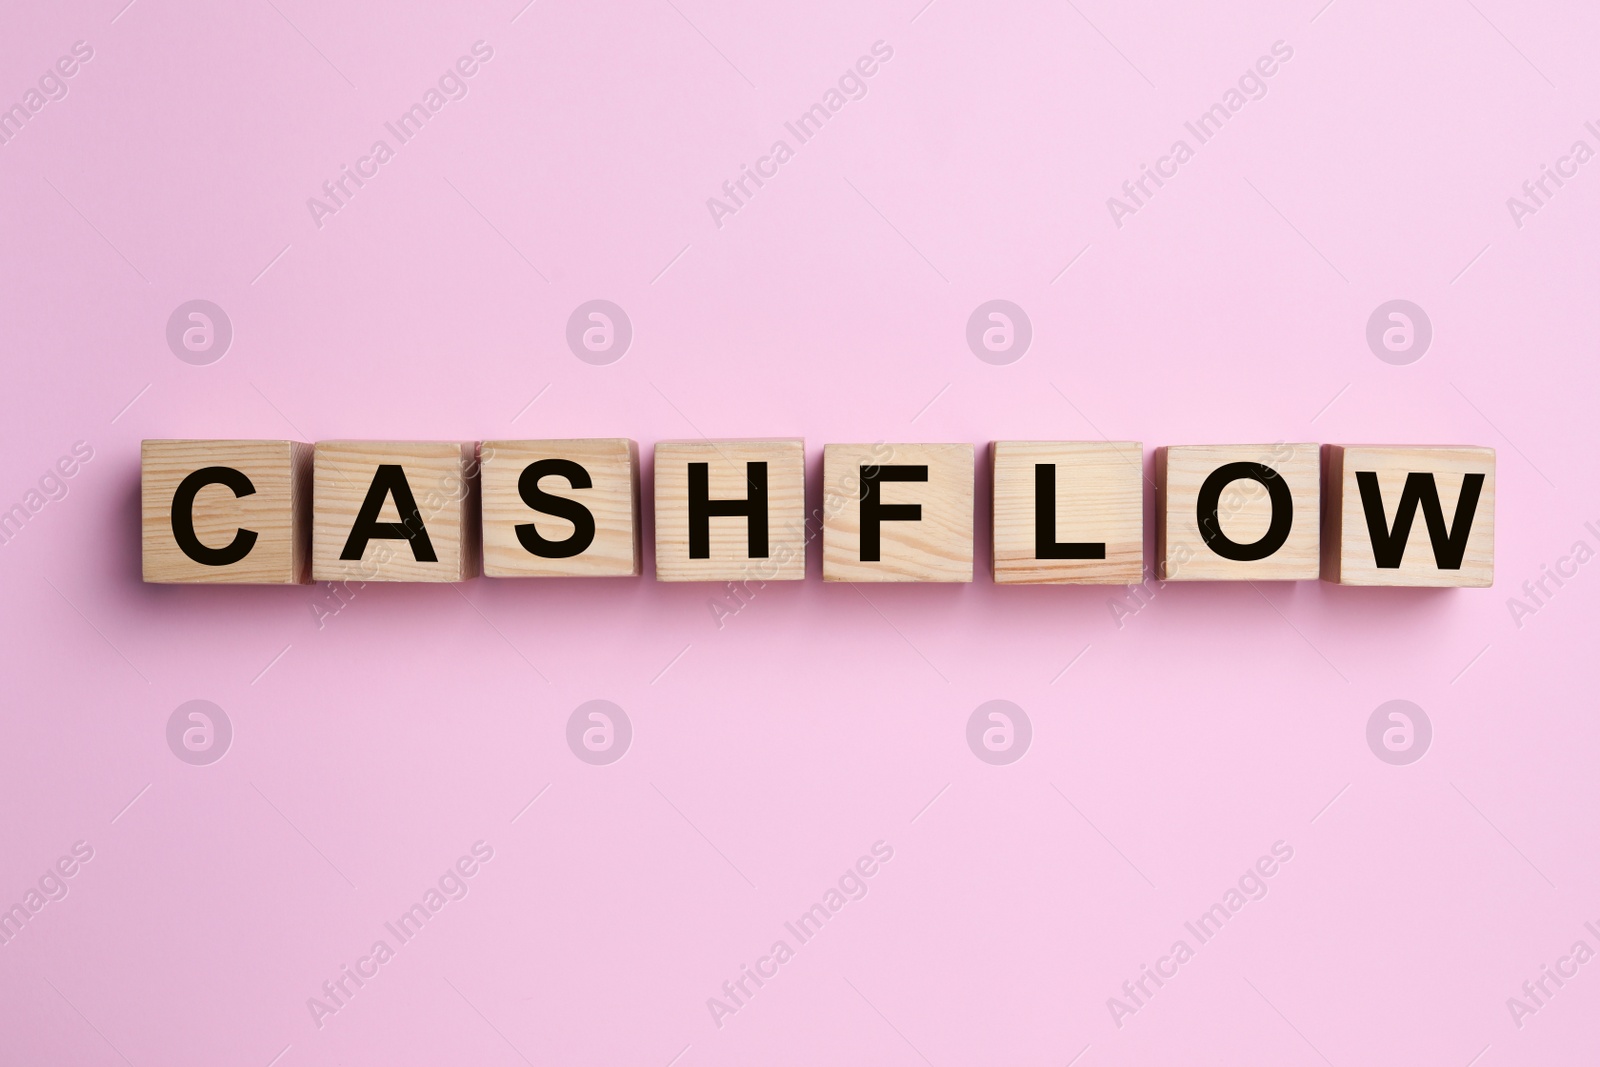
395 511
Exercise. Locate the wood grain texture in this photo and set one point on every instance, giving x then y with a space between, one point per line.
279 511
1348 556
443 478
1099 497
727 479
937 547
612 464
1244 513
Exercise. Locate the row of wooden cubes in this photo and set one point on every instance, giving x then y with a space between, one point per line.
257 512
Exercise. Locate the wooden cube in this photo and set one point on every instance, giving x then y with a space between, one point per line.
1408 515
897 513
1068 512
395 511
225 512
730 510
560 508
1233 513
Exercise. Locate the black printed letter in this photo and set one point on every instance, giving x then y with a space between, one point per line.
1045 545
1449 545
875 511
390 479
1211 497
183 517
702 508
582 518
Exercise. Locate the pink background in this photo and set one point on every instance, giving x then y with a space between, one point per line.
373 747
